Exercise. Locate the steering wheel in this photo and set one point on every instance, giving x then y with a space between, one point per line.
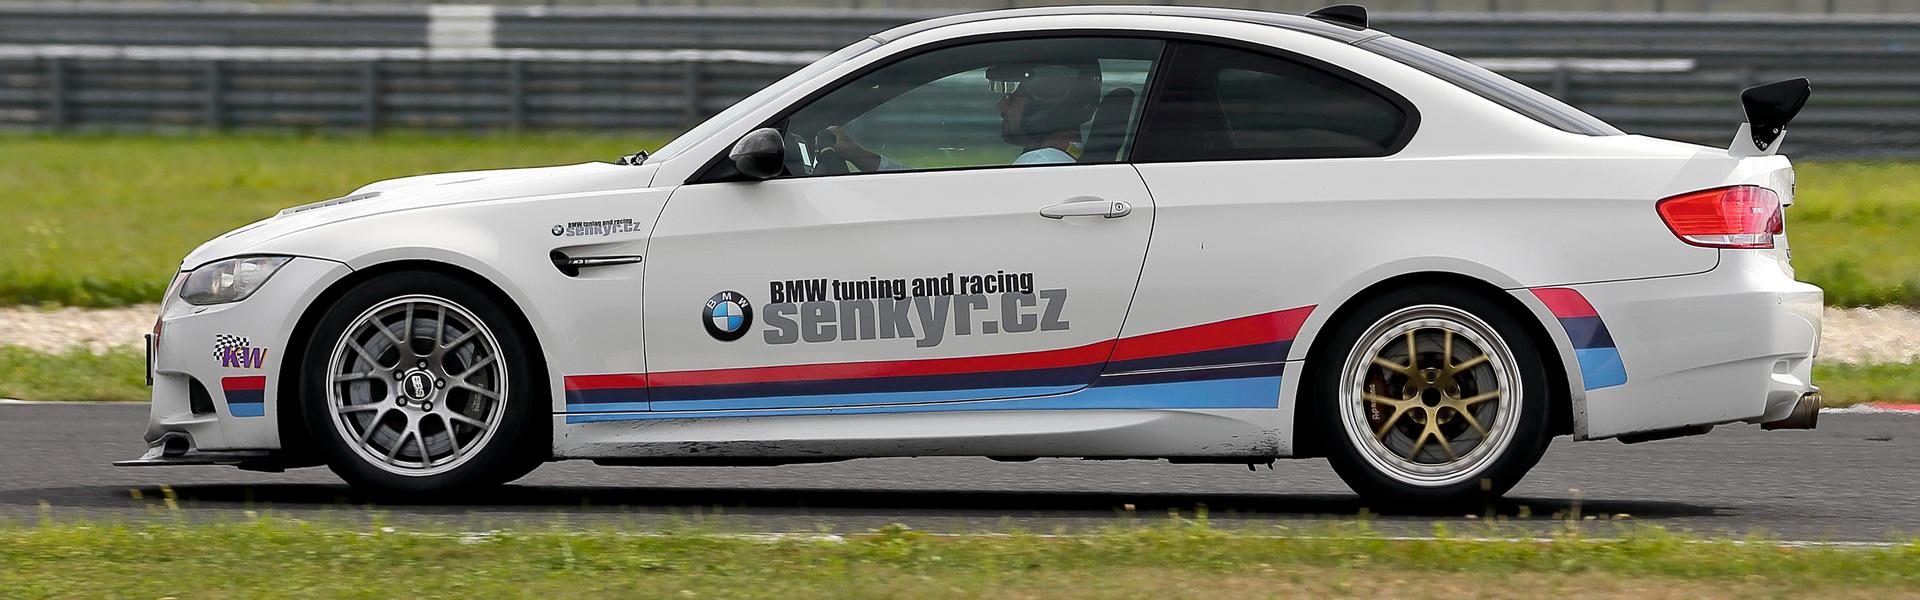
827 160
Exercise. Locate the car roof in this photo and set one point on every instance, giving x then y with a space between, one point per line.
1303 24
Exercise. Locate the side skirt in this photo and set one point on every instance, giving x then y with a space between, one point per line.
1101 433
1228 419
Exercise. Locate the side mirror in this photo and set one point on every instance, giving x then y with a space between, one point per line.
761 154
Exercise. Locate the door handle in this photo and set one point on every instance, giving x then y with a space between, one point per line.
1112 209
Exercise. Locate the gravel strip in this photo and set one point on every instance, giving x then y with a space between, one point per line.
1870 335
62 329
1855 335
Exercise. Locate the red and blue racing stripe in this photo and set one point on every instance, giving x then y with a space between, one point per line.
1593 347
1227 364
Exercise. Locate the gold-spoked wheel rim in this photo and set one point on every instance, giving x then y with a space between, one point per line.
1430 395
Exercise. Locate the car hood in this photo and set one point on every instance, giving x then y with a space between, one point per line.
423 191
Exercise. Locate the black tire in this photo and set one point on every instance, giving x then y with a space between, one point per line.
519 442
1361 444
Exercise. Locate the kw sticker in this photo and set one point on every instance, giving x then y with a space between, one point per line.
236 352
926 310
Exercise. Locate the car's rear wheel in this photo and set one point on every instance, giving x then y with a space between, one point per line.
1436 398
415 384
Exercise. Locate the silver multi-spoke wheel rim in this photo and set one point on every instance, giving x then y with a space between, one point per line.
1430 395
417 385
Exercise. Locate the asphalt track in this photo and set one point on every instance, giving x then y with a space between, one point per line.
1856 478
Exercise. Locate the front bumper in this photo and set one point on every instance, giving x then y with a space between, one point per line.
176 448
1735 344
215 369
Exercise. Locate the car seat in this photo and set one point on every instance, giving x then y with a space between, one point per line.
1109 129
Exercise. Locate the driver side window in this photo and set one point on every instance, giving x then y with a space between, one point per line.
1016 102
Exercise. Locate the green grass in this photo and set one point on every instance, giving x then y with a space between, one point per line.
76 375
103 220
273 558
1842 384
1855 228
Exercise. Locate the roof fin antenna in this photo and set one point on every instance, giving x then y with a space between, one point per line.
1350 15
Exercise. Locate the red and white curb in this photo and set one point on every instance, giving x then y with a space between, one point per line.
1874 408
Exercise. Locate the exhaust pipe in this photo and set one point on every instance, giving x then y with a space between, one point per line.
1805 415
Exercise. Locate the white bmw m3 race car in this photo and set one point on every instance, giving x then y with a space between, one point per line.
1191 234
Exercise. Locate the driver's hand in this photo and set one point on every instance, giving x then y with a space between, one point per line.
841 140
851 150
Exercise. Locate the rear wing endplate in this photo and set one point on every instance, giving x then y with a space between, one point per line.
1769 108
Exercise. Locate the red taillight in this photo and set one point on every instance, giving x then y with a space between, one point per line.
1741 216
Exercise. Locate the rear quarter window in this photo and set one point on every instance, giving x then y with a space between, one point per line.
1493 86
1318 111
1221 103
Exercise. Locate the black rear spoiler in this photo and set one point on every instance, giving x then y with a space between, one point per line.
1769 108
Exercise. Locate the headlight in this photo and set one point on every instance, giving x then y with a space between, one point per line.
230 280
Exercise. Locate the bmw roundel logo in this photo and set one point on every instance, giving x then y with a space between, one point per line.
727 316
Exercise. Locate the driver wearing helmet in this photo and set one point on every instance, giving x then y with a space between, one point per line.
1042 107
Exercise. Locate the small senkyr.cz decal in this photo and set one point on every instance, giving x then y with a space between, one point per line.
236 352
923 309
607 227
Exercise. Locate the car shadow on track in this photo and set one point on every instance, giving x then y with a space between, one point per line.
587 500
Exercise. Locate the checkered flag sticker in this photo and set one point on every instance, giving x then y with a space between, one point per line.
223 344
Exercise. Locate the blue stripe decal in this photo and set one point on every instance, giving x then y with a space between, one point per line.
1273 352
1248 392
1587 332
611 407
602 398
854 399
1187 375
247 403
1601 367
1070 377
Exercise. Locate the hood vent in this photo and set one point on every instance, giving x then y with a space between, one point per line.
327 203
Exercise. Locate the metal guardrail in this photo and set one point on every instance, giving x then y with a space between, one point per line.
1295 6
65 93
817 29
611 69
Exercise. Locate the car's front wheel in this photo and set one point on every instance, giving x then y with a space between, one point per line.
415 384
1435 399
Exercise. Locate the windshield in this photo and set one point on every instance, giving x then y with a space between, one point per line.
747 105
1492 86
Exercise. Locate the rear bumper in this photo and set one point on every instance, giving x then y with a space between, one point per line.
1735 344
